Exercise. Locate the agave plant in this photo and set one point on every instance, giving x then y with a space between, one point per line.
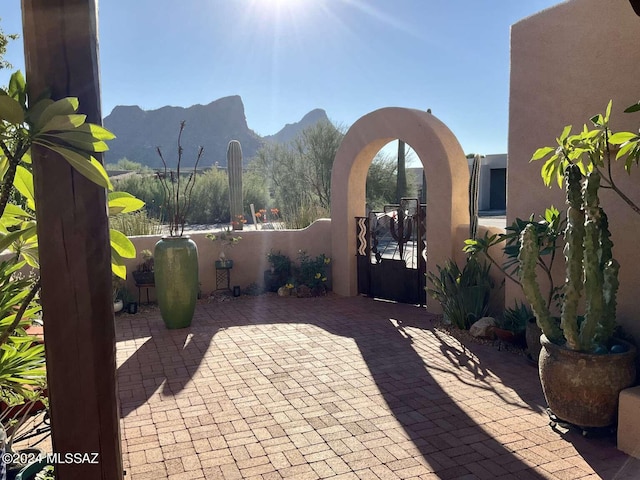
463 294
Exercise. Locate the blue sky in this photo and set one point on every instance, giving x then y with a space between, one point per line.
287 57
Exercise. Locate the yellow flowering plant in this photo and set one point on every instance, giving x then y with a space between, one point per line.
312 272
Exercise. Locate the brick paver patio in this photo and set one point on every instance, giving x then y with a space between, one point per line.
343 388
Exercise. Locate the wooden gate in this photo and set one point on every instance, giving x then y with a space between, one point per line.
391 252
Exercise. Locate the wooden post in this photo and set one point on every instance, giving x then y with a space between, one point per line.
61 49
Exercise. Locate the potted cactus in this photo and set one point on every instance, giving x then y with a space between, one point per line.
582 366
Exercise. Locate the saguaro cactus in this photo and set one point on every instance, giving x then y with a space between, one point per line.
234 169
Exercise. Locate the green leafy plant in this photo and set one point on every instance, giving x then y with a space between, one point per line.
135 223
227 239
55 126
548 229
280 270
311 272
590 267
463 294
515 318
280 263
144 273
22 372
47 473
147 261
591 150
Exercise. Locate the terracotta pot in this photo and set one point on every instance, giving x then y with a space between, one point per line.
583 388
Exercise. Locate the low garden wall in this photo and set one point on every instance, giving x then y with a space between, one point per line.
249 255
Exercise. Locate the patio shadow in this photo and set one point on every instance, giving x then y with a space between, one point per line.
408 396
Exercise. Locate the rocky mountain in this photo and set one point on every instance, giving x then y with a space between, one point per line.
291 130
138 132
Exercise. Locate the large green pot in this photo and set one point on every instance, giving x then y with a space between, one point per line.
176 269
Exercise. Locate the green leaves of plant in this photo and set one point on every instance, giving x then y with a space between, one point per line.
56 126
10 110
633 108
589 149
123 202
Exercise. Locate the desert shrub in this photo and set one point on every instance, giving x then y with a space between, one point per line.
463 294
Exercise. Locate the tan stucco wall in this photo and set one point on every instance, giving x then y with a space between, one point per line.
447 185
566 63
249 255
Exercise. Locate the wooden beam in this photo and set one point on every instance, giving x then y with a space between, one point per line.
61 49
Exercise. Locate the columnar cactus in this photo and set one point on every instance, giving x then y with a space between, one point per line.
589 264
474 193
234 169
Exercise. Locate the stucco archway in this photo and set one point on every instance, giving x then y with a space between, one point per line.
447 174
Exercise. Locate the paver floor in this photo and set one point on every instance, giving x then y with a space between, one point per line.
342 388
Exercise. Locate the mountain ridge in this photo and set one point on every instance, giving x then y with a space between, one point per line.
138 132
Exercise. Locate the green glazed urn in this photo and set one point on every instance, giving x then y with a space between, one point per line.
176 276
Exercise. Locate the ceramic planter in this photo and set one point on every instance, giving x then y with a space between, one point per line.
583 388
176 278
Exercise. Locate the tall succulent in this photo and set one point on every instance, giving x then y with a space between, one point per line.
234 168
590 266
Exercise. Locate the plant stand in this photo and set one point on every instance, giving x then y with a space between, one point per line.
223 277
593 432
146 286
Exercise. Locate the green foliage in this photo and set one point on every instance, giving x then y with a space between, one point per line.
299 174
136 223
147 263
548 230
382 182
463 294
304 215
311 272
515 318
280 270
47 473
209 197
148 189
226 239
4 41
126 164
58 127
21 361
280 263
591 149
590 267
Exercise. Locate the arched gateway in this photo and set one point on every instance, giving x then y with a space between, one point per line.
447 174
